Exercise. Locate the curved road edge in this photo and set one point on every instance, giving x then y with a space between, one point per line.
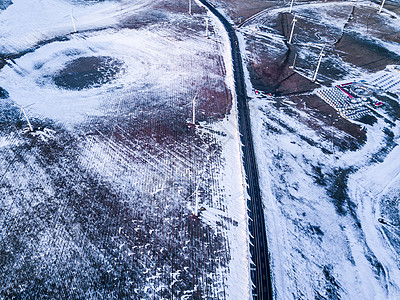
261 275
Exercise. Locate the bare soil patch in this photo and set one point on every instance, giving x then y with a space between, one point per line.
88 72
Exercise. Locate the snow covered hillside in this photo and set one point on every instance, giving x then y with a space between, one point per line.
330 185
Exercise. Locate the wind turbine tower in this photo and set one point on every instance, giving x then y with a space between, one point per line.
26 117
73 20
291 33
196 194
319 63
380 9
194 110
291 6
294 62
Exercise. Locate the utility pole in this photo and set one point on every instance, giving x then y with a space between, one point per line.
291 33
380 9
190 7
291 6
206 28
319 63
72 19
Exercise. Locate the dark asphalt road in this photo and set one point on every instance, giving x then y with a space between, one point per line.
261 276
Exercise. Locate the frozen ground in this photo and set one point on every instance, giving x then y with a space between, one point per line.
98 201
330 186
326 182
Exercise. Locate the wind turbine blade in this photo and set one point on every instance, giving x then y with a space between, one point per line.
29 105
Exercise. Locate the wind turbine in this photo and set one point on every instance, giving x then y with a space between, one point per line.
194 110
26 117
73 20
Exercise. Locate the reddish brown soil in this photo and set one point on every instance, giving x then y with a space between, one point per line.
246 9
269 68
108 236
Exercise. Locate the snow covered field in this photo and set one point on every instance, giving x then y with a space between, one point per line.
330 187
99 200
324 235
